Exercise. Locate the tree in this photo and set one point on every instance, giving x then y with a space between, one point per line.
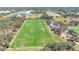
46 16
63 46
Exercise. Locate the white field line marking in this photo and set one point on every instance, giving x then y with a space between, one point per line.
17 33
48 28
35 48
30 47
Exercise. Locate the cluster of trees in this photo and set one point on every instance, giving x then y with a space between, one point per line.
46 16
63 46
58 28
8 28
73 23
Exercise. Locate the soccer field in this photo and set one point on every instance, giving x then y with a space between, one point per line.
34 33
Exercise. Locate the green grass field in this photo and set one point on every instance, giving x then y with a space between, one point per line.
75 28
34 33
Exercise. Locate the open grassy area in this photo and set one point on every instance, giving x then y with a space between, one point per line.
75 28
34 32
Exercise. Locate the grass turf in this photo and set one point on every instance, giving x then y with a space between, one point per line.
75 28
34 33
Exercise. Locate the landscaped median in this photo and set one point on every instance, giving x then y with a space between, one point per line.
34 33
